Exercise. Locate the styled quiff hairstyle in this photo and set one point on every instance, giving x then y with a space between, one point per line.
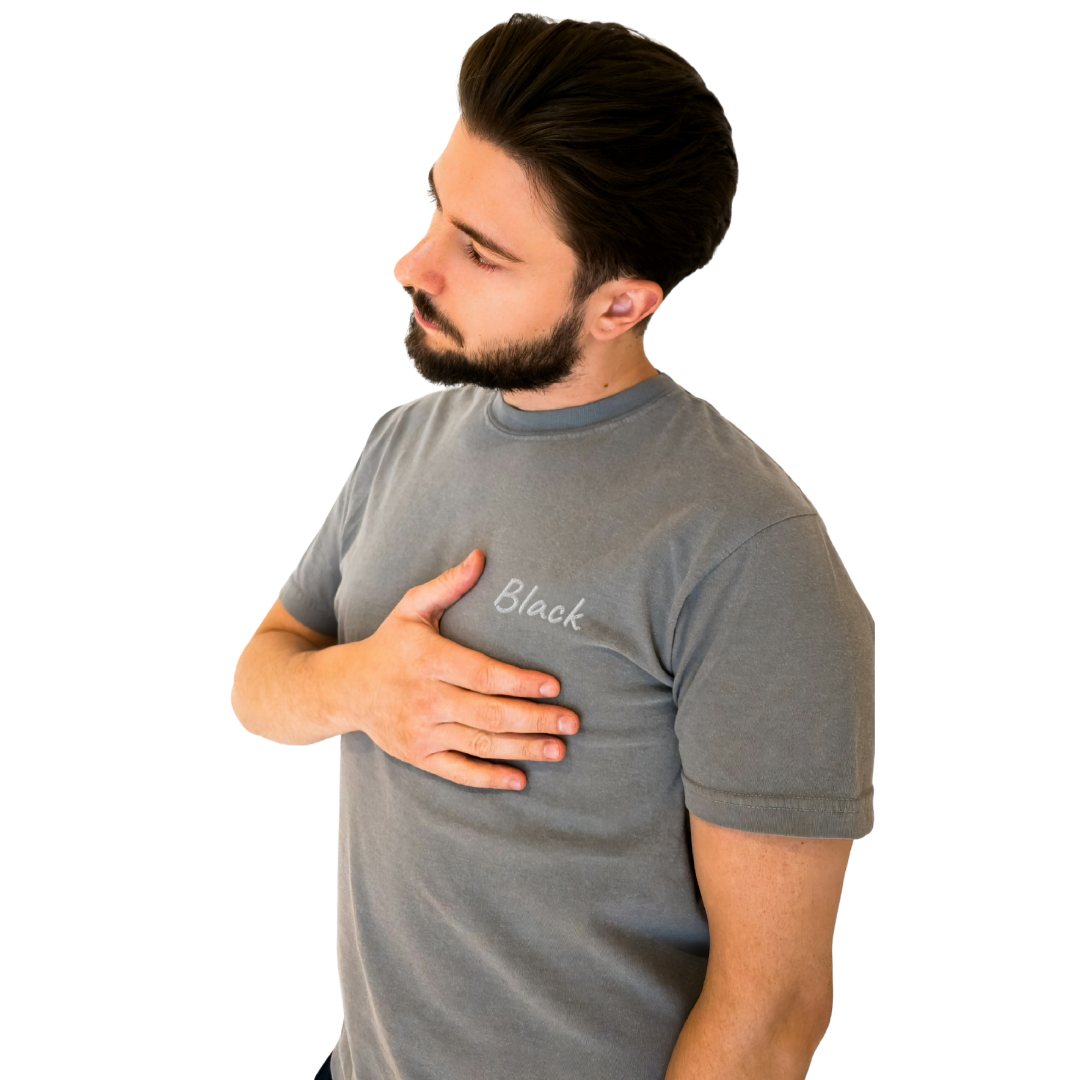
618 134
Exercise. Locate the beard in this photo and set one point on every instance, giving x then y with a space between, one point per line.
508 366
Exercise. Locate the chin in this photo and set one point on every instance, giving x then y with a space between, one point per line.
511 367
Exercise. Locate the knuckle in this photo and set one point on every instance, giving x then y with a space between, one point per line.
433 704
489 715
482 744
432 657
495 718
485 679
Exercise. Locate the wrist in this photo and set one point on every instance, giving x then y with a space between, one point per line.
333 686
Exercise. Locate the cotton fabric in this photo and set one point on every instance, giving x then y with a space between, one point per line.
687 596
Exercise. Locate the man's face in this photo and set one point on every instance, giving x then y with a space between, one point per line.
491 281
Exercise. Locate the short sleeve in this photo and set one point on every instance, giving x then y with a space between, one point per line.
773 658
311 590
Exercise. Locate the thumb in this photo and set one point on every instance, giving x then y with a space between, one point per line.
430 600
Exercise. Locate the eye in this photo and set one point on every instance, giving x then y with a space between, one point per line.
477 258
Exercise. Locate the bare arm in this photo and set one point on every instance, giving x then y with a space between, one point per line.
277 691
771 903
418 696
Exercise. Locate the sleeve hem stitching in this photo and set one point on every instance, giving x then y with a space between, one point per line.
806 803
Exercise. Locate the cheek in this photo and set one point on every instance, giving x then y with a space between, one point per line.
514 307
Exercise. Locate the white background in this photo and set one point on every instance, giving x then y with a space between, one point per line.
202 203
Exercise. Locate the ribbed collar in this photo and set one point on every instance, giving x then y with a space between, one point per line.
550 421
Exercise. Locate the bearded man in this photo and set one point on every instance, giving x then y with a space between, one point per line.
600 779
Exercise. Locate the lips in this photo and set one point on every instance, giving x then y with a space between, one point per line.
422 321
425 314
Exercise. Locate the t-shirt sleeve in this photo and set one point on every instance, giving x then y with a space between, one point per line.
773 657
312 587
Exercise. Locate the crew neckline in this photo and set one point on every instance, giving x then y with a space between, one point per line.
552 421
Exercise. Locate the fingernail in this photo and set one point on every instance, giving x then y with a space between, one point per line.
551 750
550 688
566 725
516 784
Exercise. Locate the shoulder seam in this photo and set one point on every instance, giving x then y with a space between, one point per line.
683 594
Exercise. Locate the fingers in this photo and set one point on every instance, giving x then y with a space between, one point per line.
430 600
465 706
486 744
473 670
465 667
459 768
504 715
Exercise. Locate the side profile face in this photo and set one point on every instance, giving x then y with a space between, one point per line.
492 280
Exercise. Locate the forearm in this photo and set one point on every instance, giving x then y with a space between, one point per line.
740 1037
284 690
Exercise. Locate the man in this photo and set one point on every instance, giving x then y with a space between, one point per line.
600 779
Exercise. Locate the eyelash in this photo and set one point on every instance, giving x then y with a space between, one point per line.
477 258
470 251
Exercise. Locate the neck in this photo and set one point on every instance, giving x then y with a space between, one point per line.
605 368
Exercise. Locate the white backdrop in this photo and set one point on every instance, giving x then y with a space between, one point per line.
200 207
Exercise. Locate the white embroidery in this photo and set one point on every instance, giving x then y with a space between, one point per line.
508 594
572 618
521 610
507 602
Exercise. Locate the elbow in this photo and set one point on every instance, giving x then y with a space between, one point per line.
239 710
249 694
818 1020
241 704
805 1022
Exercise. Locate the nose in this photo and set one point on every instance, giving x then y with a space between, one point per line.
419 268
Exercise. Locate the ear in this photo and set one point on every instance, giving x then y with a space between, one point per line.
619 305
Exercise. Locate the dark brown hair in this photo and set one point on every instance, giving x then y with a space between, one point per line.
618 133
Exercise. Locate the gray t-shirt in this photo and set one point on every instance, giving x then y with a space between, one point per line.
685 593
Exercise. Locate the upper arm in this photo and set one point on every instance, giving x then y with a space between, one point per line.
771 903
278 618
774 674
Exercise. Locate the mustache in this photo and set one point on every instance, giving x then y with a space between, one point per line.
431 314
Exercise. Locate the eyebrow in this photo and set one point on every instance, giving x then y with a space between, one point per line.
468 230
